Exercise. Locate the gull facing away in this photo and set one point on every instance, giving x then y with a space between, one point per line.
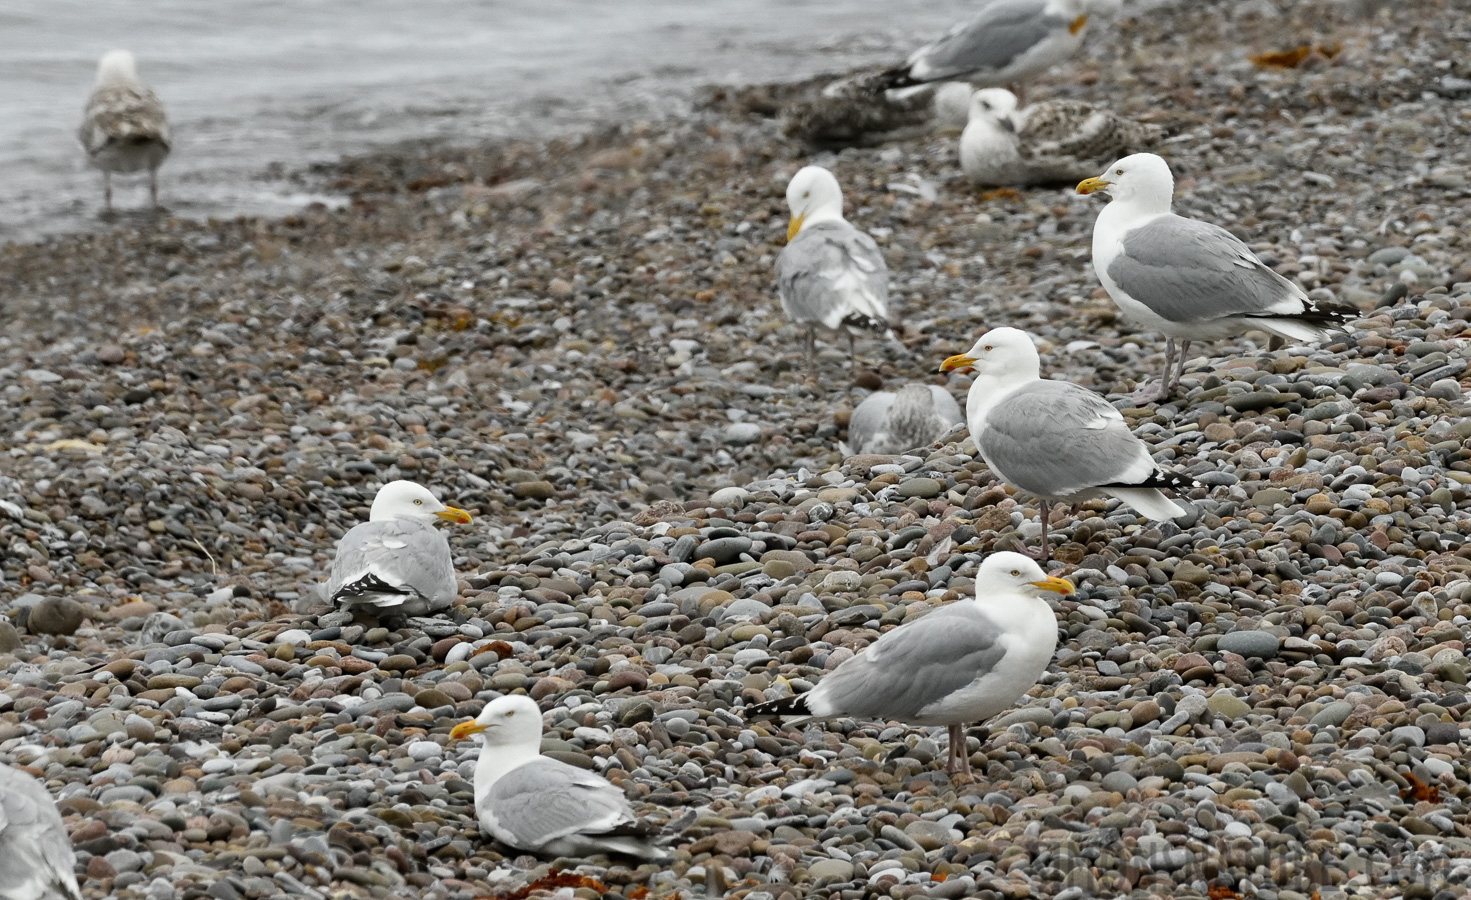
1054 439
36 858
964 662
1051 141
1189 279
1005 43
829 274
396 562
123 128
542 805
889 423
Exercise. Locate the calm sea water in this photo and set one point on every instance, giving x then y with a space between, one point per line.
255 88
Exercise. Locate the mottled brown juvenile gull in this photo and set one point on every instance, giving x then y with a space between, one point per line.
123 128
853 110
397 562
829 274
1189 279
962 663
542 805
1051 141
1054 439
888 422
36 859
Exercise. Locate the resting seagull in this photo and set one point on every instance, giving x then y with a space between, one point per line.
542 805
123 128
888 423
829 274
1054 439
1051 141
36 858
964 662
396 562
1189 279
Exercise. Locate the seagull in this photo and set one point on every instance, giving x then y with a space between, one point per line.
964 662
1051 141
542 805
888 423
1189 279
1055 439
36 858
123 128
396 562
829 274
853 111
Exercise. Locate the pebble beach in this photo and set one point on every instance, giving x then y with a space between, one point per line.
578 341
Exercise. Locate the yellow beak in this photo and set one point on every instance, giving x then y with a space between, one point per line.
959 361
465 729
458 516
1051 583
794 226
1089 185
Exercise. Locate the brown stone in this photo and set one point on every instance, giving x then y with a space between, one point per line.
628 678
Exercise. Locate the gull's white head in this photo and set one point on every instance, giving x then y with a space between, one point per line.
116 67
1142 179
1002 353
996 106
813 196
408 500
1013 573
510 721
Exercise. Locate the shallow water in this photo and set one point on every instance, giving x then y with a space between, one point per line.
256 89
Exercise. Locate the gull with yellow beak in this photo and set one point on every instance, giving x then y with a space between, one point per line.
962 663
1055 439
829 274
397 562
1189 279
542 805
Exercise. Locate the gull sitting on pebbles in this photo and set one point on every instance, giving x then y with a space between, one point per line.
1051 141
1055 439
397 562
964 662
1189 279
889 423
829 274
36 858
124 129
542 805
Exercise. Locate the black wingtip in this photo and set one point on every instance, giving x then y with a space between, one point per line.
895 78
368 584
1160 478
867 323
786 706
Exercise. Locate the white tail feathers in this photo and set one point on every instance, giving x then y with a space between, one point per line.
1147 501
116 67
1295 329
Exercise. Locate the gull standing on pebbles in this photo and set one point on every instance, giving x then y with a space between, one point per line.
36 858
396 562
964 662
889 423
124 129
1054 439
542 805
829 273
1189 279
1051 141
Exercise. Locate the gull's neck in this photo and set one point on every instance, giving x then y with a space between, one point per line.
988 390
495 762
1139 206
826 212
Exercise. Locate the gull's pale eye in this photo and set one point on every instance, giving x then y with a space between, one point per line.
806 193
510 712
1015 572
988 348
418 502
1118 171
985 105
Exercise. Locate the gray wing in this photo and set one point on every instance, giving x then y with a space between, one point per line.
1055 439
123 114
1191 271
386 563
546 799
832 273
1074 130
868 420
992 40
915 665
36 858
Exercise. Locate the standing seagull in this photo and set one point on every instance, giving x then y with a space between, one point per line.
888 423
829 273
1051 141
1189 279
124 129
396 562
1054 439
962 663
36 859
543 805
